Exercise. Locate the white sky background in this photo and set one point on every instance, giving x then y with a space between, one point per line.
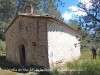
67 15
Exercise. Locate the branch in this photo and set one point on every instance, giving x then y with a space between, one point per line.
93 17
85 10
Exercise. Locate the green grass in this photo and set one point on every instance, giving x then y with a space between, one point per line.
3 52
84 66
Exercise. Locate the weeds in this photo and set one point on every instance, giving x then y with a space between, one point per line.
84 66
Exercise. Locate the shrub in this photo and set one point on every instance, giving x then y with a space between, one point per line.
2 46
83 66
98 52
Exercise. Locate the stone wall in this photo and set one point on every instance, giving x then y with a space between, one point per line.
24 31
61 44
53 41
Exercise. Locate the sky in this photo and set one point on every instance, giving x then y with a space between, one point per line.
72 5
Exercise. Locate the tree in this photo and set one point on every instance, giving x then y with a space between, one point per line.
2 46
92 11
86 38
7 13
40 6
91 21
22 3
7 9
49 7
75 24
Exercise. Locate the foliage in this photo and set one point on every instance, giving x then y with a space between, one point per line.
9 10
98 52
3 26
74 23
86 65
92 11
22 3
49 7
2 46
83 66
86 38
46 6
40 6
91 20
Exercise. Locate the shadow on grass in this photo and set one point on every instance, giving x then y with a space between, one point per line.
20 68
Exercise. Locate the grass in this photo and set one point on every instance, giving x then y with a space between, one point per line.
4 71
13 70
84 66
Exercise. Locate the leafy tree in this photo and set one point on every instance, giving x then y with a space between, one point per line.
92 10
49 7
75 24
10 8
91 20
22 3
40 6
86 38
7 13
2 46
7 9
3 27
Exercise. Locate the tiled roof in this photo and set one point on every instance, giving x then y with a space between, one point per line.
45 16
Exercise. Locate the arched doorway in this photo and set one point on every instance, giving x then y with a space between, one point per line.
22 55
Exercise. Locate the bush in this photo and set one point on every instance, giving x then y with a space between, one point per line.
98 52
86 65
2 46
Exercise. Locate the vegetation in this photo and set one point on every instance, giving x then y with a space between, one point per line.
86 39
9 10
2 47
88 24
84 66
91 20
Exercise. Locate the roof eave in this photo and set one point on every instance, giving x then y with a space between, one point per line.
44 16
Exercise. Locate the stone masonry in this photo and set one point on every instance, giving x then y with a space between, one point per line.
41 40
24 31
